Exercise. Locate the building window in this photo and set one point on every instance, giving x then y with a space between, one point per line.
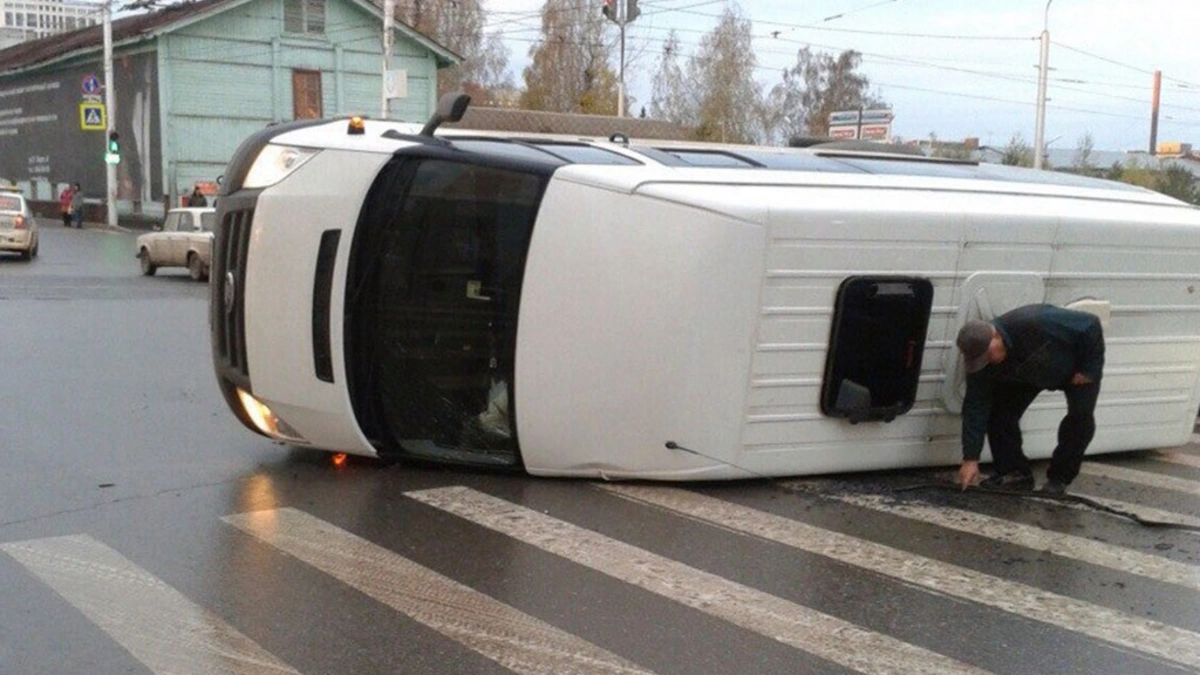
304 16
306 94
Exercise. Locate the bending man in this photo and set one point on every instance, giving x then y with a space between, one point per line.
1010 361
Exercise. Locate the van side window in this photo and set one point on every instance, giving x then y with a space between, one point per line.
876 343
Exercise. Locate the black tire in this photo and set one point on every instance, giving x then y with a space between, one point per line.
148 268
34 251
196 268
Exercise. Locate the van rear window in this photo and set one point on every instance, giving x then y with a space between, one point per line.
10 203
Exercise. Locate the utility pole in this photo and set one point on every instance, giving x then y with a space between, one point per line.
621 12
1043 67
389 14
110 104
1154 113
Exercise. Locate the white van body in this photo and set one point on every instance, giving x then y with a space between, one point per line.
675 321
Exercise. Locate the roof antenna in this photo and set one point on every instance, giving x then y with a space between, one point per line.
450 108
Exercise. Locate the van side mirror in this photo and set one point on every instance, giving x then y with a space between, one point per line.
450 108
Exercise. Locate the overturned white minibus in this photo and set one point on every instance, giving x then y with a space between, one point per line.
613 309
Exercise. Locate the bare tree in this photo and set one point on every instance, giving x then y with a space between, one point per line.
816 86
671 99
569 69
728 102
1083 154
458 24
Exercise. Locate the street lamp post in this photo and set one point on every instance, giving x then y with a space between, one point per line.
110 104
1043 67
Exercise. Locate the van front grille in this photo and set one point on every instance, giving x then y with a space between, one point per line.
229 291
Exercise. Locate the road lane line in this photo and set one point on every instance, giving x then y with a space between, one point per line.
1036 538
1144 512
1126 630
499 632
801 627
1155 480
1181 458
152 621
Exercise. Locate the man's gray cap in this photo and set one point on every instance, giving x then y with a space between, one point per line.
973 341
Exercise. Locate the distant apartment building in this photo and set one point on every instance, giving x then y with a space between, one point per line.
31 19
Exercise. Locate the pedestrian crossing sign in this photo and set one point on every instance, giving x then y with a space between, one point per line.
92 116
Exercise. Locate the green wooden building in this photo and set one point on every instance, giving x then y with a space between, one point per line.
191 81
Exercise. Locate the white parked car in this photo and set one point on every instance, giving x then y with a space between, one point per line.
184 240
18 228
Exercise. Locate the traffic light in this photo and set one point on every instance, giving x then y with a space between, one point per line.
609 10
112 154
631 10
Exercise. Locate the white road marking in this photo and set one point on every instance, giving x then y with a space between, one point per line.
1128 631
499 632
1057 543
154 622
792 624
1145 512
1155 480
1181 458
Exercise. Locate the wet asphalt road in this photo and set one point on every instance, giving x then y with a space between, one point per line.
142 530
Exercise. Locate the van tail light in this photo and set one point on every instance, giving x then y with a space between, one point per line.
19 223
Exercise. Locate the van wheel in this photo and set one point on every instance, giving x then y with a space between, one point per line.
148 268
33 252
196 268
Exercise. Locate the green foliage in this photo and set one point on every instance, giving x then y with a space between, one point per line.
1017 152
1179 183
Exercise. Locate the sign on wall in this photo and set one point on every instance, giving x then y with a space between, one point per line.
92 116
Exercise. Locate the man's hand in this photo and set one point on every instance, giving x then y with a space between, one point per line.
1079 379
967 473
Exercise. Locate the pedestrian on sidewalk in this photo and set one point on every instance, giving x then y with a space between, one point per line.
64 205
77 205
197 199
1010 361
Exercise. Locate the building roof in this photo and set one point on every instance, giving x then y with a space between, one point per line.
150 24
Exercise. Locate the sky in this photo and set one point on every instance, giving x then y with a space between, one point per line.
953 68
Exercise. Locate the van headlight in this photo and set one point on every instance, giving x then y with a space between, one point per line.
267 421
274 163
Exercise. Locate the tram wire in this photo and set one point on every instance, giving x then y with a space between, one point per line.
952 487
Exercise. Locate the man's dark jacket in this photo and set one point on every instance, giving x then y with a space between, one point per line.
1047 345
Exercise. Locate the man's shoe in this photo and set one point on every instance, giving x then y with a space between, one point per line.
1053 488
1013 480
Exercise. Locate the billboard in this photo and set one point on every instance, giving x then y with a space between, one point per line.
873 125
53 128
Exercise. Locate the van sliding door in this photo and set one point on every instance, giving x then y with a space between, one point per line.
435 283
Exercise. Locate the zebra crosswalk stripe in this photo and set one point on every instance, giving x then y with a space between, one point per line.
1180 458
804 628
502 633
1147 478
154 622
1131 632
1057 543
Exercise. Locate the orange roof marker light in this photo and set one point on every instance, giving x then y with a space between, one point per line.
356 126
339 459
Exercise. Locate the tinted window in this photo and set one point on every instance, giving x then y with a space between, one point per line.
710 158
208 221
913 168
185 222
514 150
799 161
586 154
435 281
